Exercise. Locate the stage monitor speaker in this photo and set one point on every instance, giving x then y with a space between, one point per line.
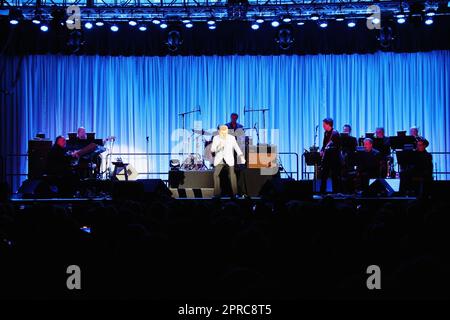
383 187
287 189
140 190
37 157
35 189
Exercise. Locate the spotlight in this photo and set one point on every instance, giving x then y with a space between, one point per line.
189 25
400 15
15 16
142 27
340 17
99 23
255 26
114 28
132 23
70 21
156 21
300 23
275 23
36 19
163 25
88 25
259 20
351 24
44 28
401 20
186 20
430 13
314 17
375 20
287 19
212 27
211 22
429 21
323 24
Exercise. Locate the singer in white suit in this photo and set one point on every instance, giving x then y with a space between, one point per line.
223 146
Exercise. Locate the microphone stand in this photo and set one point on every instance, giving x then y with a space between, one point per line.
263 114
183 120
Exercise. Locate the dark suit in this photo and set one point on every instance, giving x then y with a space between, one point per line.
331 160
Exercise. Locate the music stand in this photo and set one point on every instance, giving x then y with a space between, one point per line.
399 142
72 136
90 136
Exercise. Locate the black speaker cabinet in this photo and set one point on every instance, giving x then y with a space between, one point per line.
37 157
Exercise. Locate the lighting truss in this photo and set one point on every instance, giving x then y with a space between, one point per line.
201 10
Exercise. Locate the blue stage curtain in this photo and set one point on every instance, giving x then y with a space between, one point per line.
138 97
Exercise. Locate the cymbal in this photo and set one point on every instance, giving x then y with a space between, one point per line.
202 132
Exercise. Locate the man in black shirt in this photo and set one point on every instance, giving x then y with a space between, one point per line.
383 145
58 169
368 164
417 176
331 157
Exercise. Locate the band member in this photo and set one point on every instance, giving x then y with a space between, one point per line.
383 145
368 164
59 168
331 156
414 131
81 133
349 144
418 174
233 124
223 145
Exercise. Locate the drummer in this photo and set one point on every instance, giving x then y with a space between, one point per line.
233 124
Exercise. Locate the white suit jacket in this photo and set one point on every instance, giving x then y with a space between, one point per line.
224 149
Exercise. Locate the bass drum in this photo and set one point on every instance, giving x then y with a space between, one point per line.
207 154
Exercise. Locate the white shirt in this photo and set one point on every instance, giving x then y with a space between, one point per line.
224 149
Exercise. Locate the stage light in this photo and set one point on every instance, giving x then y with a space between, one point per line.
36 20
429 21
323 24
15 16
340 18
211 22
88 25
114 28
314 17
275 23
132 23
351 24
156 21
430 13
163 25
99 23
142 27
189 25
375 20
287 19
259 20
70 21
255 26
186 20
401 20
212 27
300 23
44 28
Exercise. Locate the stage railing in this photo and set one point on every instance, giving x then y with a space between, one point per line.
437 175
168 154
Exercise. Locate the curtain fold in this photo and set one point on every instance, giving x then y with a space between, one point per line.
138 97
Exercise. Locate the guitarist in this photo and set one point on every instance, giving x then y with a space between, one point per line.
331 157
